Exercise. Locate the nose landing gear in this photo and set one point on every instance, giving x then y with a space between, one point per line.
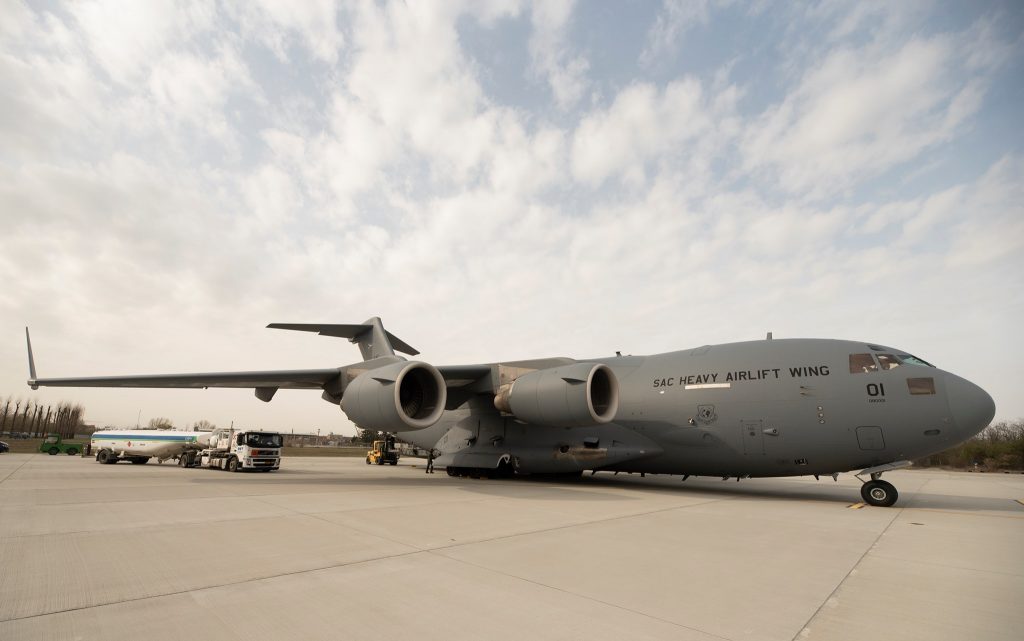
877 492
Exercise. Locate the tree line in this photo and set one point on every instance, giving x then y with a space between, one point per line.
26 416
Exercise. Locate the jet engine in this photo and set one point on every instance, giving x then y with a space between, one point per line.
398 397
569 396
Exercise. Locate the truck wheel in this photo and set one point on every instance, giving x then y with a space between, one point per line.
71 451
232 464
53 451
393 462
103 456
181 461
367 460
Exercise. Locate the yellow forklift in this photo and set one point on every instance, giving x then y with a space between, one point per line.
383 452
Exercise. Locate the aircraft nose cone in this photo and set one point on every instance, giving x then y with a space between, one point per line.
971 406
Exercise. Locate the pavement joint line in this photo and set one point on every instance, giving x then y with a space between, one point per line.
215 586
16 470
935 510
332 566
946 565
853 567
225 520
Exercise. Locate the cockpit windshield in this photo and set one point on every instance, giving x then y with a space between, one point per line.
259 439
888 361
913 360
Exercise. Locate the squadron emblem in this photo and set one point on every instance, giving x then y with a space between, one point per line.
706 414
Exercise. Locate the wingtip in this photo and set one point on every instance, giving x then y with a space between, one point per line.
31 362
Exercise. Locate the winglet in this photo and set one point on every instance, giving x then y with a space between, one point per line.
31 363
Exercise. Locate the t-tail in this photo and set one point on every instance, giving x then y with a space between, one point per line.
373 340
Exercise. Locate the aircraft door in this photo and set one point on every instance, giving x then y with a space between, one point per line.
752 434
869 437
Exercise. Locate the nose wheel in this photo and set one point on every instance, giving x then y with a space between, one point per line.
879 493
876 491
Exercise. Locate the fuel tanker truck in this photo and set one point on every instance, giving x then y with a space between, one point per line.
226 449
235 451
138 446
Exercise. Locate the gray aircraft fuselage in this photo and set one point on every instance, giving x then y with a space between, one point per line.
759 408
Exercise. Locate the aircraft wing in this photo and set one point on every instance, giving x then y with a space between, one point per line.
288 379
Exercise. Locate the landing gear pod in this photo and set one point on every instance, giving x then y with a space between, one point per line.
398 397
571 396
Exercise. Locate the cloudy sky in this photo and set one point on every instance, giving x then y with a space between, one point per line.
501 180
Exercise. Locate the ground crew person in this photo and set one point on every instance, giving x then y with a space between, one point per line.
430 462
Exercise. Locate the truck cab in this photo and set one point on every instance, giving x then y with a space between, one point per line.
238 450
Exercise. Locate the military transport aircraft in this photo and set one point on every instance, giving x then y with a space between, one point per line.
752 409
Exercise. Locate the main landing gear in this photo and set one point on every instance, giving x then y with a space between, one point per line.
876 491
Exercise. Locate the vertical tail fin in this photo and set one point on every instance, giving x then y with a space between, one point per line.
373 340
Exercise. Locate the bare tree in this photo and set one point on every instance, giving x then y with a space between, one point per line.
37 415
160 423
3 414
24 416
204 426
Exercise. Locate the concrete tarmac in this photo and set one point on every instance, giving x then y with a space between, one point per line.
335 549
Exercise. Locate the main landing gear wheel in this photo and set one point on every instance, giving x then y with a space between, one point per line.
879 493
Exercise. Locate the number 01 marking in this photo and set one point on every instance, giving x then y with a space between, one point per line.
876 389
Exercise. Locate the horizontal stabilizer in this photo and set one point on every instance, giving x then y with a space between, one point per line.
374 341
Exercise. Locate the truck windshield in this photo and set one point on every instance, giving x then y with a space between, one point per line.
259 439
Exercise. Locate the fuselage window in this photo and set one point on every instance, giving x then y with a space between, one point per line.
861 363
921 386
888 361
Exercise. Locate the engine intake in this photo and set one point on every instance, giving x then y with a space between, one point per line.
570 396
398 397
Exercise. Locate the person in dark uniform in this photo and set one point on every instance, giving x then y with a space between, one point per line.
430 462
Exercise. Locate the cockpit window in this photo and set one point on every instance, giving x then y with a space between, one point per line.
921 386
861 363
888 361
913 360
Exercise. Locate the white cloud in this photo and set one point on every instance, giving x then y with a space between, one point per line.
126 37
553 59
641 124
861 111
674 20
274 22
194 89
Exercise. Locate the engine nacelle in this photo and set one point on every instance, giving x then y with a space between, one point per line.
398 397
569 396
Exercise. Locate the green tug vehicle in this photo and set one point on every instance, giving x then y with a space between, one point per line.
55 444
